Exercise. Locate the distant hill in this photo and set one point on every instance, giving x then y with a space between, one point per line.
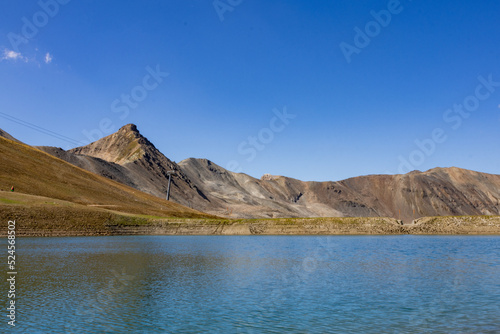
128 157
34 172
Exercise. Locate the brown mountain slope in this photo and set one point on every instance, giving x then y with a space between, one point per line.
437 192
34 172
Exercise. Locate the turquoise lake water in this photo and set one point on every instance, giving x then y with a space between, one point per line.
258 284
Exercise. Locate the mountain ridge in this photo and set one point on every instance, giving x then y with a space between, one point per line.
206 186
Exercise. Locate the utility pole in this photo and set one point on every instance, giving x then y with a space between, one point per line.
170 173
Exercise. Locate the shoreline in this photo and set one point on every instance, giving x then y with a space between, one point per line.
119 225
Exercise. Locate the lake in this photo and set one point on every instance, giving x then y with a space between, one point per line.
258 284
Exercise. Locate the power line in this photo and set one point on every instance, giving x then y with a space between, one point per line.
39 129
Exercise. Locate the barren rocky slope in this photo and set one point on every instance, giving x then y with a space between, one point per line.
436 192
245 196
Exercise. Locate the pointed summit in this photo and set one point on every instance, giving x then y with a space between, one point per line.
124 146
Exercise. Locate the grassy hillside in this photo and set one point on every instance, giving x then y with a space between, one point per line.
34 172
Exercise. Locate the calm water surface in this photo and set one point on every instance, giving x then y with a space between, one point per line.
258 284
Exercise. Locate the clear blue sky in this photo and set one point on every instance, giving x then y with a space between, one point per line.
360 100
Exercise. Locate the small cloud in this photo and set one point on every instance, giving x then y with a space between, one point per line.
13 55
48 58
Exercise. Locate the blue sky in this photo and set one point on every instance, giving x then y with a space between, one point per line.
315 90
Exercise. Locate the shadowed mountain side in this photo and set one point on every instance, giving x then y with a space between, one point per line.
97 166
34 172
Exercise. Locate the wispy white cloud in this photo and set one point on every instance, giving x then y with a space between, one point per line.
48 58
13 55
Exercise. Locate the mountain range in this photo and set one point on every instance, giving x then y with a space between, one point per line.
131 159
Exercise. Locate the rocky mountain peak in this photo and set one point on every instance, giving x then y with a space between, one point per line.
129 128
124 146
